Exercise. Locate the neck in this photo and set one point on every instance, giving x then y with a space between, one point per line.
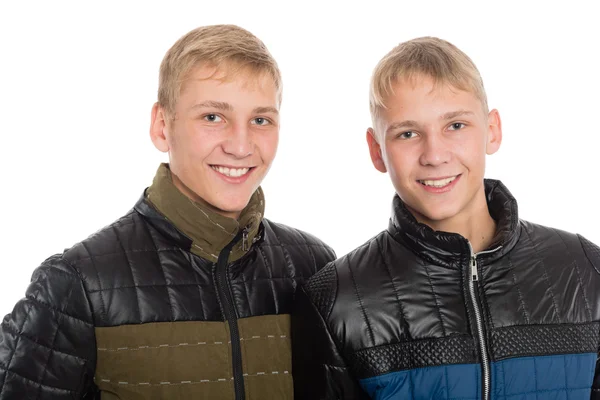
474 223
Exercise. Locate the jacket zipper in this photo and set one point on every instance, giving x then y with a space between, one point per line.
245 240
230 314
483 348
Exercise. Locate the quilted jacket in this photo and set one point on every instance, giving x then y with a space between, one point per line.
416 314
131 313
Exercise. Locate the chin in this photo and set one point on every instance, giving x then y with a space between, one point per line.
442 214
232 206
435 213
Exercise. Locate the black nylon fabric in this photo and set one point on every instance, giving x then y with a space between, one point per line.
401 300
137 270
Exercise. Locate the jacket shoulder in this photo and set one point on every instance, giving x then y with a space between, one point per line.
548 238
281 234
296 240
110 256
323 287
592 252
108 239
556 243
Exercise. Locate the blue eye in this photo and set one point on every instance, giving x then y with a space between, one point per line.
456 126
407 135
212 118
260 121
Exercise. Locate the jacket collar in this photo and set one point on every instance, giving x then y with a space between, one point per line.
448 249
195 226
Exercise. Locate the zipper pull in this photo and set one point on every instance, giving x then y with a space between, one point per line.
245 246
474 275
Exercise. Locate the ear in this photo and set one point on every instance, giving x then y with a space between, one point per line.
159 128
494 137
375 150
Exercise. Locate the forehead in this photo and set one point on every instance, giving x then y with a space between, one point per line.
211 81
422 97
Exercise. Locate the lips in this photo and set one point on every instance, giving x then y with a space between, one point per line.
438 183
231 172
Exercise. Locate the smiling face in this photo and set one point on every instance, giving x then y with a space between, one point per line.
223 137
433 140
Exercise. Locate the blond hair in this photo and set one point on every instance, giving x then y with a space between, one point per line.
227 48
429 56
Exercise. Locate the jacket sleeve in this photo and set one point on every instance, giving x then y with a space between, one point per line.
592 252
47 344
319 370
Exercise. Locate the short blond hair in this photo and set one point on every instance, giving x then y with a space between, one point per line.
227 48
429 56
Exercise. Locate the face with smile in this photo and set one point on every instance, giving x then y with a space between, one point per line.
433 140
222 137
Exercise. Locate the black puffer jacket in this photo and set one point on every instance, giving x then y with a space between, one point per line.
414 314
132 299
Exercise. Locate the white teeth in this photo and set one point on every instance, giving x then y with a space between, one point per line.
231 172
439 183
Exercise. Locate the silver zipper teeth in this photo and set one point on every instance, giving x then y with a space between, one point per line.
479 321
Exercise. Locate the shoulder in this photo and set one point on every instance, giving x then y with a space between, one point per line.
119 236
541 235
112 256
277 234
592 252
299 252
337 275
555 242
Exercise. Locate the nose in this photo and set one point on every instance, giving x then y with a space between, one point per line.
435 151
239 142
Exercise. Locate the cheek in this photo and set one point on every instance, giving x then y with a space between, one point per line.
470 149
267 144
400 161
200 143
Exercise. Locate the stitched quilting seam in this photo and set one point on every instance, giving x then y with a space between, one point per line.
166 345
14 350
162 268
53 388
102 304
286 255
547 278
362 307
168 383
576 265
130 265
435 298
270 271
51 352
15 332
312 255
512 270
389 271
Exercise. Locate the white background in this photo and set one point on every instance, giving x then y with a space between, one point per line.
77 82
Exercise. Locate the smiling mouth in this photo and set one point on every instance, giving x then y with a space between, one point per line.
231 172
438 183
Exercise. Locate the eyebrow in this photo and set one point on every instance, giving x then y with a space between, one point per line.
265 110
411 124
454 114
221 105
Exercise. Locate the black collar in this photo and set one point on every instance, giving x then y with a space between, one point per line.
448 249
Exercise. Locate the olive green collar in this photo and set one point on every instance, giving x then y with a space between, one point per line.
209 231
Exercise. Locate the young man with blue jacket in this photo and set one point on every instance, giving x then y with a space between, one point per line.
458 298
